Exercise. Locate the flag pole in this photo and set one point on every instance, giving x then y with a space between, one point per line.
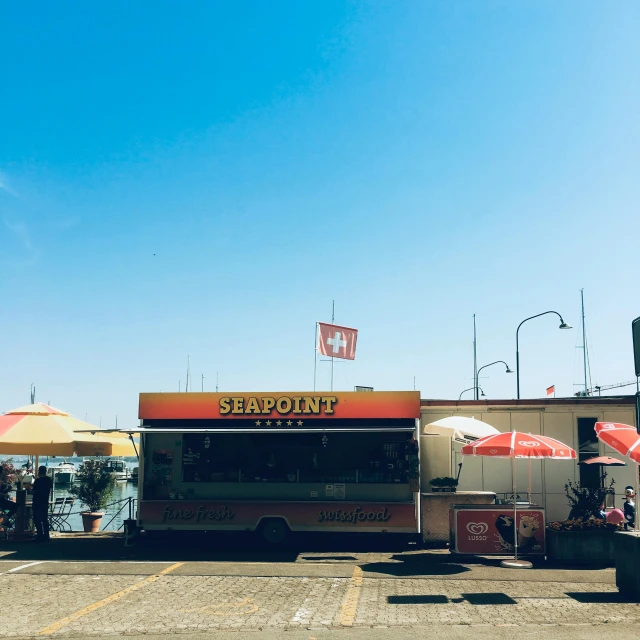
315 358
333 320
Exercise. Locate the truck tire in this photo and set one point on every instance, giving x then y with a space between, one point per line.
274 531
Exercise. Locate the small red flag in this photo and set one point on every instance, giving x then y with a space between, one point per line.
551 391
337 342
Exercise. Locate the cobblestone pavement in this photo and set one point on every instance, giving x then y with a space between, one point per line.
125 598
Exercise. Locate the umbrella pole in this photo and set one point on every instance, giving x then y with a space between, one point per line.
515 563
515 510
529 491
637 472
635 502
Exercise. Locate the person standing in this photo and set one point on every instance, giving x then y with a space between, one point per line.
41 491
629 508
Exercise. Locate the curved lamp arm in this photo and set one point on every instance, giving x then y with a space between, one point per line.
469 389
496 362
563 325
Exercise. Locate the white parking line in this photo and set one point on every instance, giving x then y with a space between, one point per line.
24 566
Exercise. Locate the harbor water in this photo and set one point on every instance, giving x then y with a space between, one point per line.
112 520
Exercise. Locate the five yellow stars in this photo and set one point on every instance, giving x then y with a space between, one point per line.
278 423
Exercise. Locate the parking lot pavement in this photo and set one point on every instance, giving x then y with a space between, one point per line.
310 594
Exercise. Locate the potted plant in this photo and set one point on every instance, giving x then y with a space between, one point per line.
94 490
443 485
585 536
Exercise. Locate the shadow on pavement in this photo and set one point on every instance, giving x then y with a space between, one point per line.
488 598
419 564
203 547
600 597
478 599
417 600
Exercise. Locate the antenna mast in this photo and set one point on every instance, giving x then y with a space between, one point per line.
584 346
475 362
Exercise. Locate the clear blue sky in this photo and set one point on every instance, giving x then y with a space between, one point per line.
204 178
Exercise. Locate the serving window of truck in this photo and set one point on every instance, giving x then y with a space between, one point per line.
275 462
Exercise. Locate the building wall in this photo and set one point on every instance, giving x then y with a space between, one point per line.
556 418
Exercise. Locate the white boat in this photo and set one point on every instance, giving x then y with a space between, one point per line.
64 473
117 468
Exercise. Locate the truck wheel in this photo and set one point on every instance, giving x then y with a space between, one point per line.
274 531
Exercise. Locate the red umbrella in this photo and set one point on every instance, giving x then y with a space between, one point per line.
625 440
604 461
516 444
622 437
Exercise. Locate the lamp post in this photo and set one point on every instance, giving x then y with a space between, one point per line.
471 389
563 325
489 365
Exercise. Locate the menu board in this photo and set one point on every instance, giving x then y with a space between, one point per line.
162 467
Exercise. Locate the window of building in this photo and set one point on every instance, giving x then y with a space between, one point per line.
299 457
588 447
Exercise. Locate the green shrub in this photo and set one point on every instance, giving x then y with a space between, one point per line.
585 502
96 486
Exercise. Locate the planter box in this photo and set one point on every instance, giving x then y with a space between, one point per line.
443 489
581 546
627 548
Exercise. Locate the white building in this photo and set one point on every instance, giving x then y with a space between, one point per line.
569 420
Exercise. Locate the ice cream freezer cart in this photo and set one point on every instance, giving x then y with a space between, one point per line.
489 529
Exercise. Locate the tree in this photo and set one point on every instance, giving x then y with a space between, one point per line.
96 486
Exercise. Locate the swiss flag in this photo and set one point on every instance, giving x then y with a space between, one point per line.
337 342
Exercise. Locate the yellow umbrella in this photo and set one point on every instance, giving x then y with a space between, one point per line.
38 429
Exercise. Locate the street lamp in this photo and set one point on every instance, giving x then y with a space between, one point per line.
490 364
471 389
563 325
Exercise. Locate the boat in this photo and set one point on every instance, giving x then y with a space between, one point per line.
117 468
64 473
133 476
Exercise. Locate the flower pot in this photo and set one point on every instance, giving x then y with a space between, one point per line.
443 489
91 521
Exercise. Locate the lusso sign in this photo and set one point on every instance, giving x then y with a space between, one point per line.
477 530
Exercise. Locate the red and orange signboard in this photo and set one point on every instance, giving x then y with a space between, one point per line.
340 406
180 514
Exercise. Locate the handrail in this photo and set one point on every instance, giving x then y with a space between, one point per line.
130 502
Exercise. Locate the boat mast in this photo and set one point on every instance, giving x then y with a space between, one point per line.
584 345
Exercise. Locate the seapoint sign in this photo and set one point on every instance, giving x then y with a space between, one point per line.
347 405
284 405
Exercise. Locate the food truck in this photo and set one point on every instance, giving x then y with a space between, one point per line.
279 462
